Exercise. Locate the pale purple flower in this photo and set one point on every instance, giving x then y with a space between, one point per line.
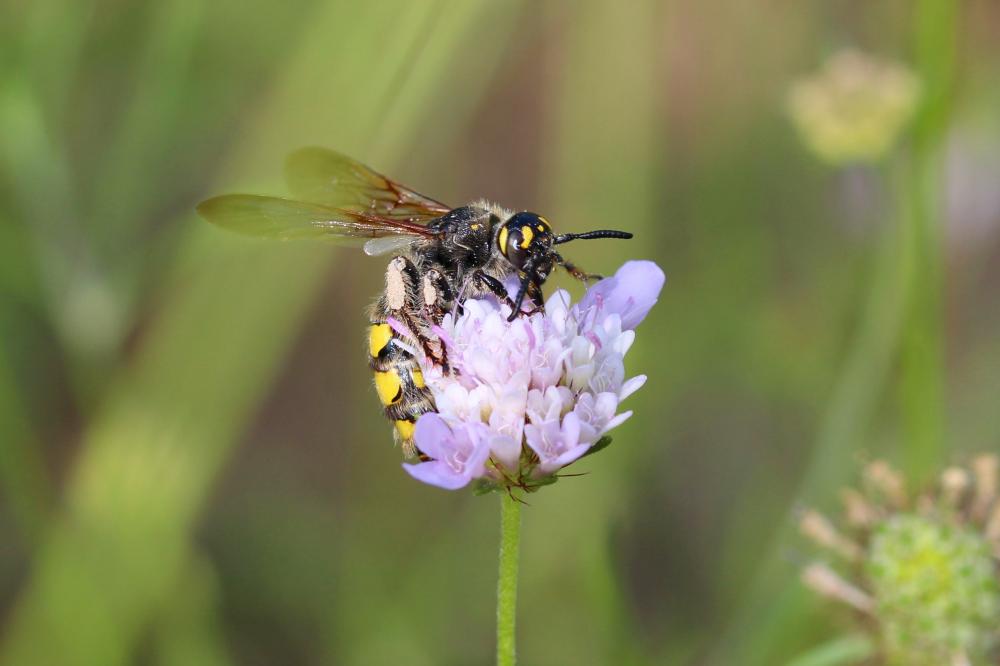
459 453
531 396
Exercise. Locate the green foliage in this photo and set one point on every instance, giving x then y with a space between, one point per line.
599 445
192 467
844 651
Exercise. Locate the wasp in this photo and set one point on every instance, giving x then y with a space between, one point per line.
443 256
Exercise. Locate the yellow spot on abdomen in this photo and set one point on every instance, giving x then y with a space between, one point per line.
378 337
528 236
418 378
390 389
405 429
502 240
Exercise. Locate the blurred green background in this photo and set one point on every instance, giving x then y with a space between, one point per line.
193 465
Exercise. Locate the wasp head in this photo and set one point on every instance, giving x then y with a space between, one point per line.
526 241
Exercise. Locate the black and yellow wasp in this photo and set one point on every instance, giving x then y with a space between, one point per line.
444 255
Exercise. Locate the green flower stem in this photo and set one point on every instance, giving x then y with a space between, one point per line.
510 540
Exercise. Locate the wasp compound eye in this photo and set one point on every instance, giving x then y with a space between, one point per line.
523 235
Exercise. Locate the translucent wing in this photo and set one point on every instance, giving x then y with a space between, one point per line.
327 177
379 246
272 217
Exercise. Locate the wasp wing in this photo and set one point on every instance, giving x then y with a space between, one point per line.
286 219
379 246
330 178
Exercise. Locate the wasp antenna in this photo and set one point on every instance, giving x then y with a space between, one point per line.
588 235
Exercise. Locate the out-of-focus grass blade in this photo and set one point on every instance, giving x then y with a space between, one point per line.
24 484
935 35
189 631
838 652
124 185
44 56
49 37
40 179
229 312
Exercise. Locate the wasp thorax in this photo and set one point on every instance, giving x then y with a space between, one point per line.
525 236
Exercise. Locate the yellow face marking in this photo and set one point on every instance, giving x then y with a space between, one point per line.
405 429
418 378
528 235
388 386
502 240
541 228
378 337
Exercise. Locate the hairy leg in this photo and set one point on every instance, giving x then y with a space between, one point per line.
494 286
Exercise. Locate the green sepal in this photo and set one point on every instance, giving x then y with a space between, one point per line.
534 484
602 443
484 487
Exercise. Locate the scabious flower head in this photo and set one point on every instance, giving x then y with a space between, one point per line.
528 397
854 108
923 570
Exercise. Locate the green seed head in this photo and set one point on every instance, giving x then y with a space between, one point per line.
936 591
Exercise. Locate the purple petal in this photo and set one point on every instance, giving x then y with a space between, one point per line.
630 293
557 305
606 403
570 431
506 450
543 439
438 474
631 386
564 459
477 436
433 436
617 421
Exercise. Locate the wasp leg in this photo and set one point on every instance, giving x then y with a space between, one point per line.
496 287
433 348
401 300
576 271
437 294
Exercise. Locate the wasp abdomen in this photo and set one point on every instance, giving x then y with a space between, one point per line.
399 383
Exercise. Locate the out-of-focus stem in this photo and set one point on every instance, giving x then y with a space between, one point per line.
24 483
922 365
